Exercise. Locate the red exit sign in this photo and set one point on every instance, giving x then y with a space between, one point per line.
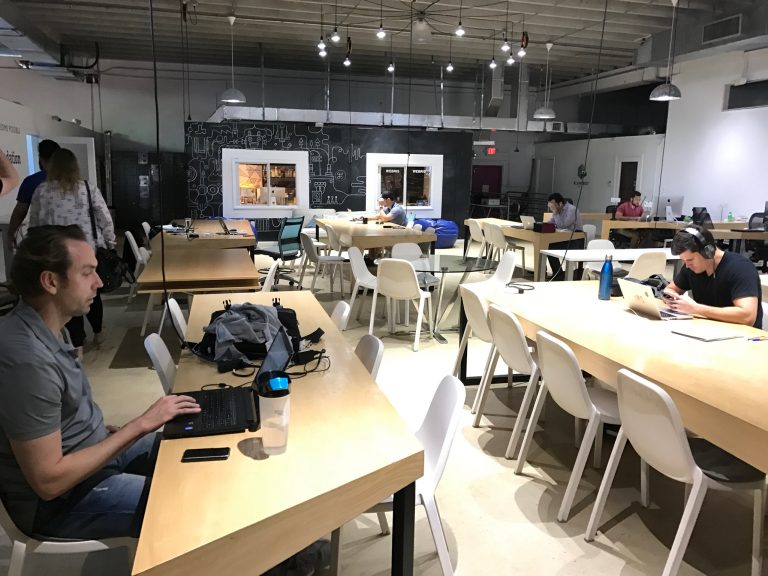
490 151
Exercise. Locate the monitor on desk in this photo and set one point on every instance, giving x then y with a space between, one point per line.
670 207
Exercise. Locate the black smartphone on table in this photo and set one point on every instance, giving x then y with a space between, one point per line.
205 454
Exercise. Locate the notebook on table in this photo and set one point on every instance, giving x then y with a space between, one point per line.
640 299
230 410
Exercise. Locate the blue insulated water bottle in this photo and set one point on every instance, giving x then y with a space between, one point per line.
606 279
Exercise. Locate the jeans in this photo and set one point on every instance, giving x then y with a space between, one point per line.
76 326
558 273
108 504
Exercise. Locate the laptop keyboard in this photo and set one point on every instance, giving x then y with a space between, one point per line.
666 314
218 409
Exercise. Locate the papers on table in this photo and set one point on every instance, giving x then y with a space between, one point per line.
705 332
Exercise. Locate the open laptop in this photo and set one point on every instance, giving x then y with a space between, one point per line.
527 222
640 299
230 410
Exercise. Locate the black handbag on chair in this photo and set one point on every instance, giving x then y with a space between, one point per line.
111 268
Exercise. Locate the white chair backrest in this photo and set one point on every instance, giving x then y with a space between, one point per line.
9 526
417 227
648 264
145 255
269 281
561 373
505 269
653 425
600 244
340 314
177 317
510 340
161 360
370 350
333 238
439 428
147 229
590 231
475 230
429 230
359 269
476 309
397 279
134 246
406 251
495 236
309 248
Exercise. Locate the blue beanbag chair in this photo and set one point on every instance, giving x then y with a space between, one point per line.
446 231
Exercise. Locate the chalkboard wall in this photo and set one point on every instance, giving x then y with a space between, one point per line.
337 160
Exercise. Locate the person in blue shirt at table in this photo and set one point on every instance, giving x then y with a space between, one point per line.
45 150
566 217
391 211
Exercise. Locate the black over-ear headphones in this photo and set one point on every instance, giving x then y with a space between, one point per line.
706 249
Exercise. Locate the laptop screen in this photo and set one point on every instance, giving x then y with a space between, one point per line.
279 354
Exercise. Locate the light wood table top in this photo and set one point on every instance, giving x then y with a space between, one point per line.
585 216
372 235
721 231
720 388
200 271
540 240
210 235
347 450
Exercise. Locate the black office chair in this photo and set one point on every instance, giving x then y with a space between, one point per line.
759 248
618 239
702 218
286 248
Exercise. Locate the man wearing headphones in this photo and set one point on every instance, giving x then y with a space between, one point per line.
724 285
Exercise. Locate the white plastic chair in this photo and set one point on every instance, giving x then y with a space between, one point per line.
652 423
269 280
310 252
647 264
512 345
340 315
590 231
475 302
412 252
436 434
499 244
475 235
177 318
561 376
592 269
363 277
23 546
141 260
397 281
161 360
499 280
147 229
370 350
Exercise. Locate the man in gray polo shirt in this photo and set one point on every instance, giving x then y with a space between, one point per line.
63 473
391 211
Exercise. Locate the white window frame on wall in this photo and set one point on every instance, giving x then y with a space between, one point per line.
374 162
231 158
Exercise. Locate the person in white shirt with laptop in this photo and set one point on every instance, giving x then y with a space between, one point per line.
724 286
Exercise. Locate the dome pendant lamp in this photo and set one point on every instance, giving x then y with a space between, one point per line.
232 95
545 112
668 91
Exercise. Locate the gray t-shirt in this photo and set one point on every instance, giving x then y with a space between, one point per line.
42 389
398 215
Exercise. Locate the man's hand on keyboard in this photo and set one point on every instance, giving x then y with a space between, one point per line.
166 409
682 303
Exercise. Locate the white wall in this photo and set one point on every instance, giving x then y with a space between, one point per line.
605 155
516 166
16 122
717 158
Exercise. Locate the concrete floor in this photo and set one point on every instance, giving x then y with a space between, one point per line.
496 523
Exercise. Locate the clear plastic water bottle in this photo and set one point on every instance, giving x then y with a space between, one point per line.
606 279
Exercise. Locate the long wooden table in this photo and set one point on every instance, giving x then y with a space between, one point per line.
721 231
372 235
540 240
720 388
198 271
209 235
348 449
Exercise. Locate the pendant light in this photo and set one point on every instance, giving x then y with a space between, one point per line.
545 112
347 61
460 29
668 91
510 58
505 46
523 42
381 34
335 36
232 95
449 68
492 63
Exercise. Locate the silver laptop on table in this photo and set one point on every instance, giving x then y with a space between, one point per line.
639 298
